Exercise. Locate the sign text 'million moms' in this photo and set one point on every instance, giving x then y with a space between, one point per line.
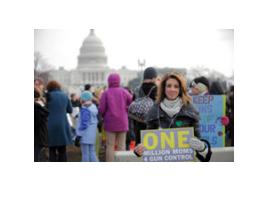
167 145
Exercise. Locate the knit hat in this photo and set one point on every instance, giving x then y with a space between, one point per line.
86 96
202 80
149 73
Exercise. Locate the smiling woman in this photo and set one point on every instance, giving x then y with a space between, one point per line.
172 89
173 109
173 86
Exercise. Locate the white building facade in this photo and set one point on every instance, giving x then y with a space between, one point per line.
91 68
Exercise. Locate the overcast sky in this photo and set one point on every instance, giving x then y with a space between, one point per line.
160 47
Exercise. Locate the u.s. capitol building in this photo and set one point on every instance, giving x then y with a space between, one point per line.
91 67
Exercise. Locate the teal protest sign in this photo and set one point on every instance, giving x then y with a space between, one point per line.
212 109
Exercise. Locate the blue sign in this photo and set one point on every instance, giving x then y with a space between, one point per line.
211 109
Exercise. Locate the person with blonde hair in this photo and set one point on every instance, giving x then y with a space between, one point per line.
174 109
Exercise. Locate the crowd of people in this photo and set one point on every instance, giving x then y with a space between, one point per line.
60 121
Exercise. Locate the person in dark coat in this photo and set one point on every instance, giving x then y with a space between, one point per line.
75 100
59 134
148 84
231 115
40 124
130 136
216 88
173 109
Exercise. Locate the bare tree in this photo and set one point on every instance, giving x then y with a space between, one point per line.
197 71
41 67
41 63
37 58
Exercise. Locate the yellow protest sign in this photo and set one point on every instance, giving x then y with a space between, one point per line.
167 145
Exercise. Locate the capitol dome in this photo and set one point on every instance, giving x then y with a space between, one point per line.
92 53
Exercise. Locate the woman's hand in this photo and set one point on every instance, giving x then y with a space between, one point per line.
139 149
196 144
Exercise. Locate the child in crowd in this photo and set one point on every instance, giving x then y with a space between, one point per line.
86 127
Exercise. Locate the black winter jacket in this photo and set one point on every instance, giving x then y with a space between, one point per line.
142 91
188 116
40 125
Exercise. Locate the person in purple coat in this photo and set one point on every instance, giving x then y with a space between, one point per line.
113 106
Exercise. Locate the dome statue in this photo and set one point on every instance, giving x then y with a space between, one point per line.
92 53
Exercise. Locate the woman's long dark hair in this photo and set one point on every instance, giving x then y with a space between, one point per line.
183 94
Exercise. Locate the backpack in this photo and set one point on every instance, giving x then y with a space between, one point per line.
140 107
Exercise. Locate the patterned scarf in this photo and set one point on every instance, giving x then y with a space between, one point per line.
171 107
